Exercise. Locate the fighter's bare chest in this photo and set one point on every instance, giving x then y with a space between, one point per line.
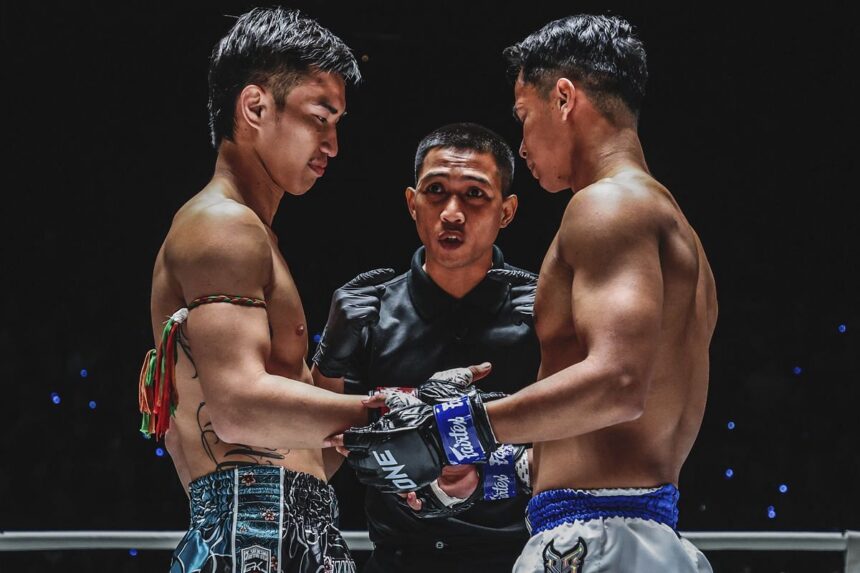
553 301
286 319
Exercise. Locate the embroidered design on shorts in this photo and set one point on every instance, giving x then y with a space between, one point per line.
256 559
570 562
338 565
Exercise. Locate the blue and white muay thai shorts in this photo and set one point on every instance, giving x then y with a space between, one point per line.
617 530
262 519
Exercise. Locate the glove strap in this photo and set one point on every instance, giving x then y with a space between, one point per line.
458 432
500 474
482 420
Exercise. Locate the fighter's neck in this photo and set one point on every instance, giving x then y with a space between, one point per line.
607 156
245 178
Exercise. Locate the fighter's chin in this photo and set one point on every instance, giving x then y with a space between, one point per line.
552 184
299 188
549 184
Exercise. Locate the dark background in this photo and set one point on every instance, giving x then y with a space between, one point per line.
750 120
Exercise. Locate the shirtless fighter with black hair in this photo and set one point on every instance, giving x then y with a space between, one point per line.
625 310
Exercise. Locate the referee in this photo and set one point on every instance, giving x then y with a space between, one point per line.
444 312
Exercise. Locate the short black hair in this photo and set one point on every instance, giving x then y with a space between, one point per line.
273 47
473 137
601 52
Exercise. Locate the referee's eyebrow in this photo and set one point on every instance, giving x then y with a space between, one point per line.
445 174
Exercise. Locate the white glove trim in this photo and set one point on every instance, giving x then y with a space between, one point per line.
443 497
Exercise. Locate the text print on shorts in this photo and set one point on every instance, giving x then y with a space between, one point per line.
256 559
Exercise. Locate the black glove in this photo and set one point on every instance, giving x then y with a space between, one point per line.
353 306
523 287
405 449
504 476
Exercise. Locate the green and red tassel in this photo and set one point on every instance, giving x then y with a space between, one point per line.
156 392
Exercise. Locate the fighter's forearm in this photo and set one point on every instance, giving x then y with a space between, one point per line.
280 413
580 399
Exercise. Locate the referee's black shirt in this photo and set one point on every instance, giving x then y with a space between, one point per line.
421 330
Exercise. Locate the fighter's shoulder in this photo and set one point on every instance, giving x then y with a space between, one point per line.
609 206
221 230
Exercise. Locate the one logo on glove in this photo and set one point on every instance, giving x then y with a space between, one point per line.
394 471
256 559
569 562
457 429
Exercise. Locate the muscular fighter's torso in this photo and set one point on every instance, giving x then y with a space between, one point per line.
651 449
195 448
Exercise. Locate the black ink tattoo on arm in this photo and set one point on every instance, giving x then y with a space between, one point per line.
186 348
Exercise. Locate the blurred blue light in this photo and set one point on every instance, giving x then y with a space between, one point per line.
92 404
317 338
730 473
783 488
132 552
55 398
771 512
797 370
842 328
730 425
159 452
84 373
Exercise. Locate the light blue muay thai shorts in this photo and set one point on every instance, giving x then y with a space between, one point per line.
262 519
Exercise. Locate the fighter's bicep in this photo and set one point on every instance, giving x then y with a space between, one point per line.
228 342
618 314
617 290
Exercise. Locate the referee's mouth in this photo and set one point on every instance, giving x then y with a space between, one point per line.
450 240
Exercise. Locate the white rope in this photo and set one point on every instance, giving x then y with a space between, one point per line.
768 541
847 542
52 540
359 540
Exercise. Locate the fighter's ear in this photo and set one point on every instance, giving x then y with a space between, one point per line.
410 201
252 103
565 93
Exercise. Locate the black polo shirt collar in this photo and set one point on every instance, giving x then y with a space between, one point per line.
430 300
